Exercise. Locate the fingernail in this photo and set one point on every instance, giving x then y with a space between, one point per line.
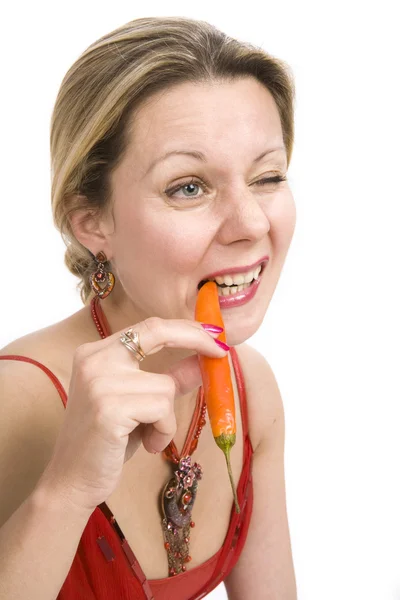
212 328
222 345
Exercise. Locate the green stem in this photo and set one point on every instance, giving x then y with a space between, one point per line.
228 463
225 441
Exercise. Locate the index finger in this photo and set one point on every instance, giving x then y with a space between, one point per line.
155 333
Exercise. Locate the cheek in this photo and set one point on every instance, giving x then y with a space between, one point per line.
282 217
183 244
162 237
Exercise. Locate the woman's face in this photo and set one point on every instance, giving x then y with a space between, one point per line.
181 218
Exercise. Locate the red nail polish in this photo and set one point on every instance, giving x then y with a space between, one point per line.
222 345
212 328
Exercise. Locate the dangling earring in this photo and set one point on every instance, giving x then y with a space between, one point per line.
101 276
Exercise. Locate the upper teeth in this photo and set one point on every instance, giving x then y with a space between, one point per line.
239 278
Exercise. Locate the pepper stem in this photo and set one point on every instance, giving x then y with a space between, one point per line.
225 442
228 463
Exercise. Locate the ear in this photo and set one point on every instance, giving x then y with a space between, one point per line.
91 230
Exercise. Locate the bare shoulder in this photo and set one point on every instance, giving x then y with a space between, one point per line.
54 345
51 347
264 401
31 414
31 410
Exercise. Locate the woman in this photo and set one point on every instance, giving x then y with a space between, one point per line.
170 146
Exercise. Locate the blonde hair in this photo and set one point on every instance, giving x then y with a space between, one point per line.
105 86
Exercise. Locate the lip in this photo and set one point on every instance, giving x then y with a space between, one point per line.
242 297
262 261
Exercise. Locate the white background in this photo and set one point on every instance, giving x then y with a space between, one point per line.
331 333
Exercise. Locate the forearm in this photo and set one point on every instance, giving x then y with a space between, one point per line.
38 544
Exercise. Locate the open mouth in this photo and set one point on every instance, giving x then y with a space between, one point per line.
228 289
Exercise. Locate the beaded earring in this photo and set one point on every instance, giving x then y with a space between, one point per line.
101 276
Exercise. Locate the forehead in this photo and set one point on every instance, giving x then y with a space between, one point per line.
218 114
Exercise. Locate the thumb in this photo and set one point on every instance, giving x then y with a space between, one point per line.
186 374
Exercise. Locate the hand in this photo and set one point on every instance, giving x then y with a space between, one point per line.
114 407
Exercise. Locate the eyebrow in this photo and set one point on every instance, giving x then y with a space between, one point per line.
200 156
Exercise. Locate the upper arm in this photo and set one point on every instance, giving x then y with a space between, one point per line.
30 413
265 567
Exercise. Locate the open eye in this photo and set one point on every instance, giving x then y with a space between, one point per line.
192 182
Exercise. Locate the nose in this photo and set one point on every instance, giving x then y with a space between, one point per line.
244 217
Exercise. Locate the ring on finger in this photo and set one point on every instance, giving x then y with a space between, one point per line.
130 339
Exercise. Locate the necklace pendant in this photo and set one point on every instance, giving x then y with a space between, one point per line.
177 500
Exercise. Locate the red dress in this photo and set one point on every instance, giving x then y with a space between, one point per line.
105 567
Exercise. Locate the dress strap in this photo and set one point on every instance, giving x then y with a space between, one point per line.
49 373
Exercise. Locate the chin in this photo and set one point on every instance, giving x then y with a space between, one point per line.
240 335
240 329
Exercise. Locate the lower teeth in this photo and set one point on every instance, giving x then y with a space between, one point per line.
234 289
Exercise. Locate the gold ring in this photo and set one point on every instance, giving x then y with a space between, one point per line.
130 339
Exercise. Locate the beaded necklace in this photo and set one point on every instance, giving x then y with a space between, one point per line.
179 493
